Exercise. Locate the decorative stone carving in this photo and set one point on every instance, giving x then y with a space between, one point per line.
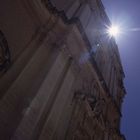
99 107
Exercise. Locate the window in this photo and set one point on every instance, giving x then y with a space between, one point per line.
4 52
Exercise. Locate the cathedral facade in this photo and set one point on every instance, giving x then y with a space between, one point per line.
61 76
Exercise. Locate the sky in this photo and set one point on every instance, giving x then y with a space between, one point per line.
126 13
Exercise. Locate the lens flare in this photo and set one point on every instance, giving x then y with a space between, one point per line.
114 31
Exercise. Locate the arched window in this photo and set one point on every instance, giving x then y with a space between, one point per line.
4 52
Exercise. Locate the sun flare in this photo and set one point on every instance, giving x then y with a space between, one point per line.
114 31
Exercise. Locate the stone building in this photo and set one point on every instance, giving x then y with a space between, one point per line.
60 75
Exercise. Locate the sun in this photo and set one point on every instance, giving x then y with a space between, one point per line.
113 31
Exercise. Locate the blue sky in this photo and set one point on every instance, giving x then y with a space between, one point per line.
127 13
